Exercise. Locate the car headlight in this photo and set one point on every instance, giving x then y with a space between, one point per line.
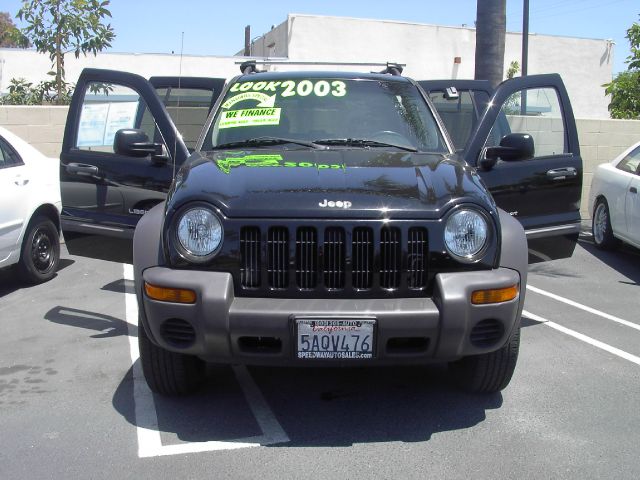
199 233
466 234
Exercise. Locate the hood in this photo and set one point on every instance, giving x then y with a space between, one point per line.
333 183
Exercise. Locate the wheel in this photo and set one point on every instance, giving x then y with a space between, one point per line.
168 373
489 372
601 226
40 253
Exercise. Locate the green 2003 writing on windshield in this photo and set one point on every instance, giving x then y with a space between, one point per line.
290 88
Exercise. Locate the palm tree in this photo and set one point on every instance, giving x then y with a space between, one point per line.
491 26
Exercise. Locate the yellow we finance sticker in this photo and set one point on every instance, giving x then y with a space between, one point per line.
250 117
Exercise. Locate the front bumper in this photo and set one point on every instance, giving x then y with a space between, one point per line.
230 329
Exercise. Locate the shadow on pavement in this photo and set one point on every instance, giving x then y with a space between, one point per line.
11 282
100 247
319 406
107 325
120 286
624 259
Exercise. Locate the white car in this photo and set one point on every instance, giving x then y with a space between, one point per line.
614 200
29 210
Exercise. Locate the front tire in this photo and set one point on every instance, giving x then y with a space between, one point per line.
40 253
489 372
603 237
168 373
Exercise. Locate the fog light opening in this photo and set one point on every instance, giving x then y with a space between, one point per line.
496 295
173 295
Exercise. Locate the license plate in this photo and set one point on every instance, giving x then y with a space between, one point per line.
320 338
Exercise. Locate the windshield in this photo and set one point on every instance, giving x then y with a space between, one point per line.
332 112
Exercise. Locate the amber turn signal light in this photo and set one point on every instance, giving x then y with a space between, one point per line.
174 295
498 295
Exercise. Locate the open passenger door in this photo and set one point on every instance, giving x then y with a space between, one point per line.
525 147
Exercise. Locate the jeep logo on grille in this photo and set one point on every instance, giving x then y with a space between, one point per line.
331 204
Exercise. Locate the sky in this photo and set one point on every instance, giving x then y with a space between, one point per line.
217 28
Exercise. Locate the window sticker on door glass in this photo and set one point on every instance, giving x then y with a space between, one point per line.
290 88
250 117
93 120
121 115
99 122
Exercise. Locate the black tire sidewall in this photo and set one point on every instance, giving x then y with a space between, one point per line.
26 267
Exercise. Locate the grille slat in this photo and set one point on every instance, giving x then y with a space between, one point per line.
306 258
390 255
250 257
417 250
323 259
362 258
278 261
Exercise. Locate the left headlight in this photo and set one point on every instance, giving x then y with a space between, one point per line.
199 233
466 234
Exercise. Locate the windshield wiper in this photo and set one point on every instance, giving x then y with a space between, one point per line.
362 143
265 141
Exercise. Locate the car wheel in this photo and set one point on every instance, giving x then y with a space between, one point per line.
168 373
489 372
601 227
40 253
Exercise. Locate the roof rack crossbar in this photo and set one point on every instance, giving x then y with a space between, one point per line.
250 66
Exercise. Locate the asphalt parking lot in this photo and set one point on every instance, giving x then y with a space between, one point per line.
73 403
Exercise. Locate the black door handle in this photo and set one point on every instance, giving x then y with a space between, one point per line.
82 169
633 190
562 173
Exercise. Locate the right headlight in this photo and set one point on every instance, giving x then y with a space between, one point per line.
466 234
199 233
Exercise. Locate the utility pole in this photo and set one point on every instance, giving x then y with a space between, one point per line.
525 53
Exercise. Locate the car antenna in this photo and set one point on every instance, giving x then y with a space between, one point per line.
176 123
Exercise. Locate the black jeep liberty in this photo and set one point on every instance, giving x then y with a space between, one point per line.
324 218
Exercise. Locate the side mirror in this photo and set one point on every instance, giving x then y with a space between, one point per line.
135 143
513 147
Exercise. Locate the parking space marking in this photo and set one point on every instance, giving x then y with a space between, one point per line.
613 318
591 341
149 440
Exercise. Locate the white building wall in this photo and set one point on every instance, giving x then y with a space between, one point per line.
429 52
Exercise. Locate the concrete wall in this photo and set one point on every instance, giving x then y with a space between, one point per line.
600 140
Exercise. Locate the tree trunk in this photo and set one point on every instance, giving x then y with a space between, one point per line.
491 27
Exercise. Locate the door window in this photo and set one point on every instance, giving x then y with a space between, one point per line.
188 108
535 111
106 109
631 162
8 156
457 113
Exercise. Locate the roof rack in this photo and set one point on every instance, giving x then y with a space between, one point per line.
251 66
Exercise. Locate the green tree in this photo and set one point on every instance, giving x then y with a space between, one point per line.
625 87
10 36
491 27
57 27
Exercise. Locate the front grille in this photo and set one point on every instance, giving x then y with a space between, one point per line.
361 260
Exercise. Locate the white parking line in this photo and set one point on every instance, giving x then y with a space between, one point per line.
613 318
591 341
149 440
